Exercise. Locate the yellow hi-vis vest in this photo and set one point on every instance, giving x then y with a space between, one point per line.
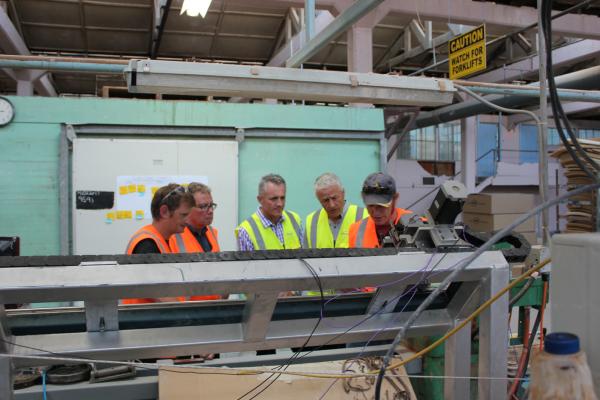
318 235
265 238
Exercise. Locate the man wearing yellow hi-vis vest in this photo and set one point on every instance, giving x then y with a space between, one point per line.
328 227
270 227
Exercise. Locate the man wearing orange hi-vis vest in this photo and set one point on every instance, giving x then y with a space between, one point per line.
198 236
380 197
170 207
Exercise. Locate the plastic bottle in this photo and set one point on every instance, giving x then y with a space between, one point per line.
561 371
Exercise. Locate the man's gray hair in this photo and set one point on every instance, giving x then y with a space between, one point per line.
195 187
273 178
326 180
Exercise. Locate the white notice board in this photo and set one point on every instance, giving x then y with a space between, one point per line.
120 175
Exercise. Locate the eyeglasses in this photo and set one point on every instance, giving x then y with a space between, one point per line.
178 189
204 207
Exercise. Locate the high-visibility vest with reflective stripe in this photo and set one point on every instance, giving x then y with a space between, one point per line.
317 232
147 232
265 238
364 235
186 242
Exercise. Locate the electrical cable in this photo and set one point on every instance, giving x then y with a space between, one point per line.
522 369
296 354
461 266
557 110
521 292
542 310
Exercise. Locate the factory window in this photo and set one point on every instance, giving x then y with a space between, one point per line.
529 143
589 133
434 143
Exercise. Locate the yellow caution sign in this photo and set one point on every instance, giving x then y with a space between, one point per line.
467 53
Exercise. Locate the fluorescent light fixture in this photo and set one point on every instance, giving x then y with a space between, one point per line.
195 7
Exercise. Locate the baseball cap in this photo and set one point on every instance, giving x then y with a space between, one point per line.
378 189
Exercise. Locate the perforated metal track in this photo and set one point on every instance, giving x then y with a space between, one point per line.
58 261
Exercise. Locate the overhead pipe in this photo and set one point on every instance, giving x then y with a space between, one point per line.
64 66
338 26
585 79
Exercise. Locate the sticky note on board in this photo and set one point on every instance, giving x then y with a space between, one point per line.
154 189
141 189
123 190
132 188
128 214
120 214
139 214
110 217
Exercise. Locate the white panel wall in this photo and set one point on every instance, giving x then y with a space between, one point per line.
98 162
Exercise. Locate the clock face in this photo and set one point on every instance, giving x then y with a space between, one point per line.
7 111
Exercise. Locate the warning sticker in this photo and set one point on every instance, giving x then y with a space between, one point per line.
467 53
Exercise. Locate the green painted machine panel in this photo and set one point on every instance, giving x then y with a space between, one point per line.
194 113
29 181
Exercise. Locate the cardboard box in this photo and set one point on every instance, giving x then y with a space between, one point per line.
494 222
499 203
177 383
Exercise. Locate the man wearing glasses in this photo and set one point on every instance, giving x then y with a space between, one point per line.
380 197
198 236
170 207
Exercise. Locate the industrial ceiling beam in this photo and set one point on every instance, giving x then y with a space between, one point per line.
584 79
160 15
12 43
207 79
339 25
497 17
528 67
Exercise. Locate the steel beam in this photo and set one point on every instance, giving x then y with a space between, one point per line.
12 43
528 67
585 79
339 25
182 340
109 281
493 338
149 76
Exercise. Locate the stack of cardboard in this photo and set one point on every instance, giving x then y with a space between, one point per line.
581 209
489 212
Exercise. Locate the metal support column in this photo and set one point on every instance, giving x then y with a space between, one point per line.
383 150
493 338
6 369
543 127
457 362
309 19
64 173
339 25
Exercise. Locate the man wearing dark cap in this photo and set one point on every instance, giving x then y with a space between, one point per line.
380 197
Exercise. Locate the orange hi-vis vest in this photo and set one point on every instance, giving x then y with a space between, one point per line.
186 242
148 232
364 235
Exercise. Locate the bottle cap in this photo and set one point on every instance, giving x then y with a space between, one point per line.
561 343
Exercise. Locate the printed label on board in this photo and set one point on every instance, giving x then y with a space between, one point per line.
94 200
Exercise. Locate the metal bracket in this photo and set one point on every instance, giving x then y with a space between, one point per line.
101 316
257 315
